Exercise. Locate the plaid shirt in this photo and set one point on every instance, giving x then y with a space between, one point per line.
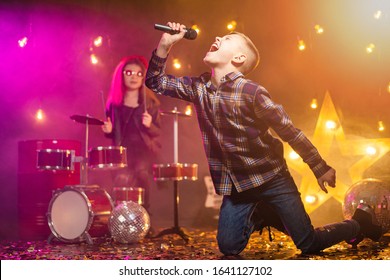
235 121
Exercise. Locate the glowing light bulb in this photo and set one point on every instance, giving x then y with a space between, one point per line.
370 48
331 125
188 110
371 151
293 155
301 45
318 29
98 42
388 87
176 63
22 42
311 199
196 28
378 14
231 26
381 126
314 104
94 60
39 115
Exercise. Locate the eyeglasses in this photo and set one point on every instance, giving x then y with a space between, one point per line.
131 73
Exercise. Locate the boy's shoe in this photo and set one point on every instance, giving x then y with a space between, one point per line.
369 225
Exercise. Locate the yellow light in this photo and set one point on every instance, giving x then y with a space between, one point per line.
196 28
176 63
188 110
381 126
331 125
301 45
311 199
39 115
371 151
22 42
314 104
98 41
378 14
231 26
388 87
94 59
293 155
318 29
370 48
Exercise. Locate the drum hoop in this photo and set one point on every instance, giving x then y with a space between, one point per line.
158 165
90 214
57 167
103 148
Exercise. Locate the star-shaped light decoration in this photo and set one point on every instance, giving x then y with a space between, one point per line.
349 156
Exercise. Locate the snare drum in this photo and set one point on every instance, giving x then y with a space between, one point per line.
55 159
107 157
165 172
77 213
121 194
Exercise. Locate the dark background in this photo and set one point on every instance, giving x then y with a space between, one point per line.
53 72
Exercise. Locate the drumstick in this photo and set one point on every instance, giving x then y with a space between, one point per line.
145 100
104 103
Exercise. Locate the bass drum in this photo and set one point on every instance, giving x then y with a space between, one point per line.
78 213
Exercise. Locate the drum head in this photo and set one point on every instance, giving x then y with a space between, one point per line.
69 215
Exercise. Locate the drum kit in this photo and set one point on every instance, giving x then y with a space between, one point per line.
80 212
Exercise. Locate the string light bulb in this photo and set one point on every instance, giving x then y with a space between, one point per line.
371 151
94 60
301 45
293 155
196 28
378 14
370 48
23 42
330 125
318 28
311 199
388 87
39 115
231 26
98 41
176 63
188 110
314 104
381 126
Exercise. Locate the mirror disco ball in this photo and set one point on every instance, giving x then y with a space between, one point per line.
373 192
129 222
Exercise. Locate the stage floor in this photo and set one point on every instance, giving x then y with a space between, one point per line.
201 246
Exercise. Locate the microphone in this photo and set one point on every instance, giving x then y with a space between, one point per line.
190 33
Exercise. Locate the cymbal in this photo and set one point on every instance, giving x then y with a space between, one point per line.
84 119
174 112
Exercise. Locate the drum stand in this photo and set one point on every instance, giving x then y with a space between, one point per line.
176 229
87 120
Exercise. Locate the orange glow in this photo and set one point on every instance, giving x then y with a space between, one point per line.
188 111
318 29
176 63
381 126
314 104
231 26
196 28
388 87
301 45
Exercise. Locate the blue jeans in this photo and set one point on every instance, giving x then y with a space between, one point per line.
277 201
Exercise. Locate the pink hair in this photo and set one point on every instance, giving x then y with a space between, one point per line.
117 86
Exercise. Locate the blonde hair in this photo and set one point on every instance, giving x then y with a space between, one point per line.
253 56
